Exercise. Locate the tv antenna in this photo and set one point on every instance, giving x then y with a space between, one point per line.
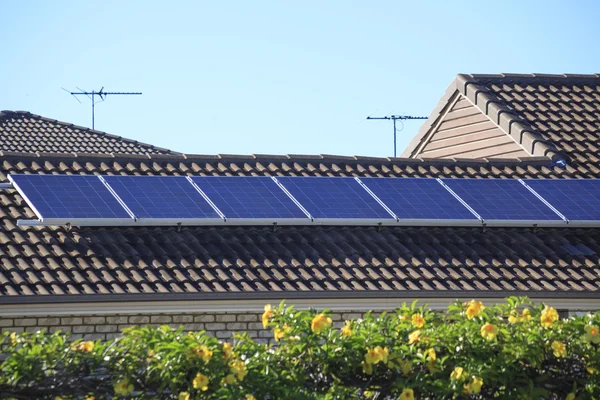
395 118
92 96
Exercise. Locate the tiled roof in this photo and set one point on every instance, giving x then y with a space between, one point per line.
549 115
24 132
49 262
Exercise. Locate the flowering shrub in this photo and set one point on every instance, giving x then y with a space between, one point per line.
515 350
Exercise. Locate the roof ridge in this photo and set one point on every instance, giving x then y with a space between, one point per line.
7 113
506 118
534 160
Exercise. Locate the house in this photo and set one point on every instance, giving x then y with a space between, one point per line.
94 281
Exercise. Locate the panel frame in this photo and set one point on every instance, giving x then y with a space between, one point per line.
391 221
144 221
524 223
570 222
42 221
477 221
256 221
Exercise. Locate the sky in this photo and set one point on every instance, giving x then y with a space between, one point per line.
275 77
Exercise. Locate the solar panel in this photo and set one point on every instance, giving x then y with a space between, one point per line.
501 200
576 199
335 198
249 197
418 198
68 197
162 197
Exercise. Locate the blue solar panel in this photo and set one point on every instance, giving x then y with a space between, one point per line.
501 199
418 198
69 196
576 199
248 197
325 197
161 197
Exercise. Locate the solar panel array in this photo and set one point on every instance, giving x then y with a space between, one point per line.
161 200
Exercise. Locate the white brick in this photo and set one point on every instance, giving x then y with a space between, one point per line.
247 318
215 326
94 320
25 322
204 318
139 319
225 318
6 322
106 328
161 319
71 321
117 319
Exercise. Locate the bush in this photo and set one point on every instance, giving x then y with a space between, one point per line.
516 350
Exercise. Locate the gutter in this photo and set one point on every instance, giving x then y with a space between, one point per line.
254 302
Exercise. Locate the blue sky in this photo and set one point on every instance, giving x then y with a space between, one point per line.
275 77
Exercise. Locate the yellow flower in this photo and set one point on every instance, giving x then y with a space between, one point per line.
123 387
406 367
239 369
367 368
279 333
457 373
548 317
476 385
489 331
474 308
347 330
592 334
414 337
570 396
13 338
227 350
417 320
514 318
319 323
184 396
407 394
431 353
228 380
249 397
266 315
467 389
203 352
559 349
373 355
84 346
432 366
526 315
90 398
383 353
200 382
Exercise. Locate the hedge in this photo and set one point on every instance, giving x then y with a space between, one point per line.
515 350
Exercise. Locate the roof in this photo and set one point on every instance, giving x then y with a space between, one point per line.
21 131
42 264
555 116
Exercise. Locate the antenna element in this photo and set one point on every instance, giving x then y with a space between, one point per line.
394 118
101 93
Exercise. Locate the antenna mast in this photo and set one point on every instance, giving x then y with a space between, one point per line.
394 118
92 96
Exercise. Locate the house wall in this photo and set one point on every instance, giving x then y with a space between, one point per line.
465 132
94 327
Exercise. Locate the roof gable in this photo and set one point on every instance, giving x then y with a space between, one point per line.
24 132
555 116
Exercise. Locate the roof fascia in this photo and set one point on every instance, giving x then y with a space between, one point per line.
437 301
425 132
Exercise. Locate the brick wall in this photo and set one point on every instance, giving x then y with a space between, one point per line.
93 327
